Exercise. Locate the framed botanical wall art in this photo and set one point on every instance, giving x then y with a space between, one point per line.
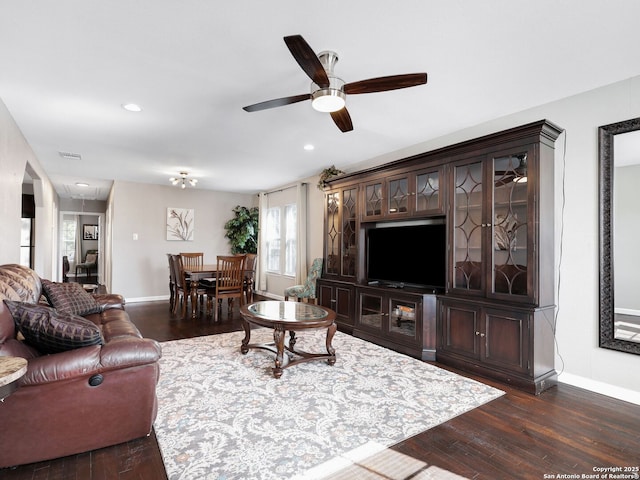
180 224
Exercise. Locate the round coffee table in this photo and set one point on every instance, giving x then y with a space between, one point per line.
11 369
291 316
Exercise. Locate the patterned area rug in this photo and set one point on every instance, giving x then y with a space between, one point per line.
222 415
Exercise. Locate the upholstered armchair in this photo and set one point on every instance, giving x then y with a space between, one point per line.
308 289
90 263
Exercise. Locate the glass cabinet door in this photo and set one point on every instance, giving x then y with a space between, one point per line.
332 242
509 214
467 227
348 232
398 193
402 317
371 311
373 200
428 197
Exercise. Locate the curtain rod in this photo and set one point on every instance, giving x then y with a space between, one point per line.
284 188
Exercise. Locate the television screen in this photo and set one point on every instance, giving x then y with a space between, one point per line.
414 254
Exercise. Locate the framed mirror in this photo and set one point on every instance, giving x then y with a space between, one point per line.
619 170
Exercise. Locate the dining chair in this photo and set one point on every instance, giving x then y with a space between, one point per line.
192 259
65 268
90 263
182 286
308 289
229 284
172 284
250 263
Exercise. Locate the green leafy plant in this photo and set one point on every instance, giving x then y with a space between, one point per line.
327 174
242 230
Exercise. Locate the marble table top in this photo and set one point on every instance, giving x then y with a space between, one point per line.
11 369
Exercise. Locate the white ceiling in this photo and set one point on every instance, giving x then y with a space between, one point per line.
66 67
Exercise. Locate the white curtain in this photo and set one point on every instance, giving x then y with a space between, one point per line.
301 234
301 237
261 271
78 247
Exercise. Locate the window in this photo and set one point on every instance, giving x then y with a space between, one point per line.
69 239
27 242
273 240
281 231
290 240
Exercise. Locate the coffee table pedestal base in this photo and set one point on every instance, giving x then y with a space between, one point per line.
286 353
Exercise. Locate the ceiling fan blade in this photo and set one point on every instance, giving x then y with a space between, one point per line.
382 84
278 102
342 119
307 59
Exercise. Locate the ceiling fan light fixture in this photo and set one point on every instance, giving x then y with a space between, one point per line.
328 100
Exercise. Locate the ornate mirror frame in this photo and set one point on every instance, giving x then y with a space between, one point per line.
606 167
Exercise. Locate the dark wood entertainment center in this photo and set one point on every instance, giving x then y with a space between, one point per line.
494 313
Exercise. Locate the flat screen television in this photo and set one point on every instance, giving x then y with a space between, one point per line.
407 254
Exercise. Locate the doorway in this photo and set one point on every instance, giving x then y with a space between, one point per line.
81 234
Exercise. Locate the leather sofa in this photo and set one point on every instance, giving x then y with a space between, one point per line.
76 400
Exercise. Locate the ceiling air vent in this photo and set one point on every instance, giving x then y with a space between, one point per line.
70 156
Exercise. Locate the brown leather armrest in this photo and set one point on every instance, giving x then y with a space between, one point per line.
62 366
130 351
109 300
119 353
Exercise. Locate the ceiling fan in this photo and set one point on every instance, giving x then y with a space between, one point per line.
328 92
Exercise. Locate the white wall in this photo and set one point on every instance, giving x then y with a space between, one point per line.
139 268
16 156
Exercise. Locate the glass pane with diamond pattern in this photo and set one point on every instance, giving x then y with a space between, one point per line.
509 224
467 227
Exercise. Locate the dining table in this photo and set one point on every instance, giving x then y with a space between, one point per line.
197 273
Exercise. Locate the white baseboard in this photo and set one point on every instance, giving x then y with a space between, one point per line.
146 299
166 297
272 296
620 393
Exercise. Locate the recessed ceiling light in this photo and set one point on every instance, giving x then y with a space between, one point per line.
132 107
309 147
82 184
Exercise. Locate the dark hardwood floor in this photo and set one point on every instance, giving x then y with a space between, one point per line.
564 431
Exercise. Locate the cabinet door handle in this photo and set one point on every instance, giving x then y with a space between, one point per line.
334 301
481 334
477 333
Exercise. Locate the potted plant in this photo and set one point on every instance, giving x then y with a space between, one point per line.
327 174
242 230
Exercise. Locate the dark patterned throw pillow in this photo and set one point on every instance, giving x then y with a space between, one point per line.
50 331
70 298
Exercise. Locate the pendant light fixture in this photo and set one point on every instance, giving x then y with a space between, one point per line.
182 180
